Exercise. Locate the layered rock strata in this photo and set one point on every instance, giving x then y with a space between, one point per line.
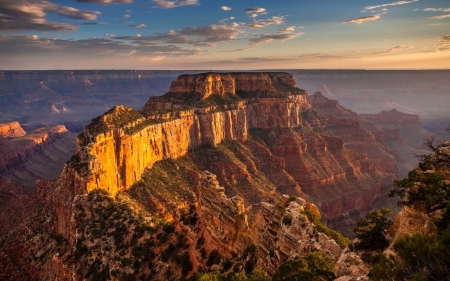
20 146
276 239
115 154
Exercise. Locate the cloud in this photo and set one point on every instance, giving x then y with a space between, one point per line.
94 23
391 4
126 16
362 19
255 12
139 25
194 35
168 4
440 17
263 23
287 29
443 44
32 15
234 50
321 56
394 50
105 2
33 45
225 8
437 9
260 59
267 38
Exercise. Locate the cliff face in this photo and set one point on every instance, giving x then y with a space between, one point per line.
117 147
296 148
17 150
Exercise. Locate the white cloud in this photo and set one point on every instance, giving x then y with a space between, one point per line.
139 25
168 4
263 23
362 19
255 12
105 2
225 8
287 29
437 9
126 16
440 17
394 50
391 4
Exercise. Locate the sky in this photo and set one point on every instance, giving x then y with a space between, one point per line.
224 34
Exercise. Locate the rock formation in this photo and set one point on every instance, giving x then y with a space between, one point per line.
40 153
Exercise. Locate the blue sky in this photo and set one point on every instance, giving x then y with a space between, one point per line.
211 34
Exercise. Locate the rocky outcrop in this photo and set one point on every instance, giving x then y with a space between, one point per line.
117 147
220 83
402 134
11 129
17 150
280 231
225 217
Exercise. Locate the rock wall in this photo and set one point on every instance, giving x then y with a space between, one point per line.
116 158
275 239
220 83
11 129
20 146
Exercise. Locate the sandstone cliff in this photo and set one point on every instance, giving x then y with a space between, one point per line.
40 153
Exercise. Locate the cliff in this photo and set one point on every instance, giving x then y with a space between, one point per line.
20 146
116 147
294 147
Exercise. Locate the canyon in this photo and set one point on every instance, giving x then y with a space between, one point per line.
136 197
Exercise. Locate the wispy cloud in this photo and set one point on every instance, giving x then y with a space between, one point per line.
437 9
263 23
391 4
267 38
193 35
139 25
394 50
168 4
443 44
32 15
360 20
94 23
105 2
34 45
320 56
262 59
225 8
440 17
255 12
287 29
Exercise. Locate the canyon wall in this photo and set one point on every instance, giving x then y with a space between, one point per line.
116 155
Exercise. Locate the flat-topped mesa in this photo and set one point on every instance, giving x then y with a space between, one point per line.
114 149
211 83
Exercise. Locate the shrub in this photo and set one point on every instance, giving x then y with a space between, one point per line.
371 229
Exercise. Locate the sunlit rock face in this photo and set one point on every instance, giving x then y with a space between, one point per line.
298 149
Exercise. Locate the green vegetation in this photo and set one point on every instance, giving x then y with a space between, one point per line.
371 230
419 257
287 219
423 190
168 180
422 257
339 238
314 266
